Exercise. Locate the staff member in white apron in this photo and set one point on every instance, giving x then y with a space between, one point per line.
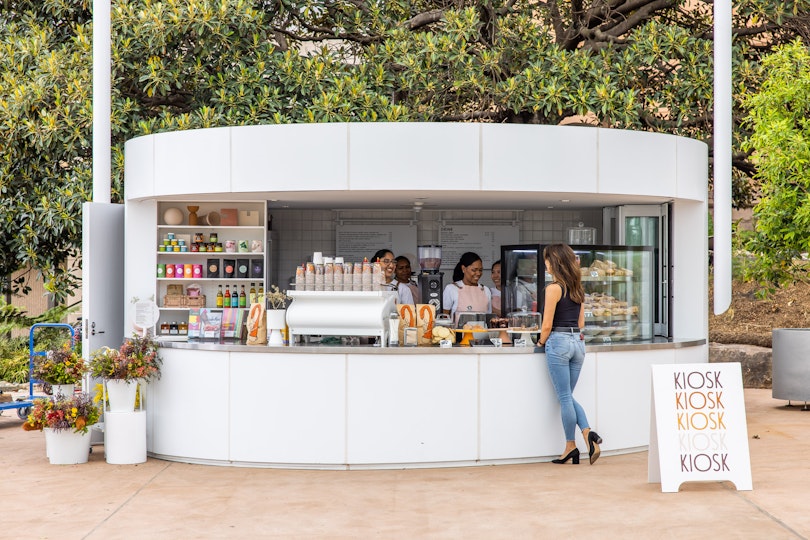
403 274
465 293
388 264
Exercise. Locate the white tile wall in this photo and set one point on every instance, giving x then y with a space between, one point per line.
302 232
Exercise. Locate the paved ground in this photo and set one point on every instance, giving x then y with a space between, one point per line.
611 499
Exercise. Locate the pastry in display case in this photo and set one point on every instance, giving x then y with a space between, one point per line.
618 283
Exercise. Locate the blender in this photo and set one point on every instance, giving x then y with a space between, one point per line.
430 279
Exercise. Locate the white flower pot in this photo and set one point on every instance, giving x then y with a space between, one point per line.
121 394
65 447
276 321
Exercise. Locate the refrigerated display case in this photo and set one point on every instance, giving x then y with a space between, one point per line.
520 265
618 283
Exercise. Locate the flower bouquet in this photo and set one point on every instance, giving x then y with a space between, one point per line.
60 366
136 359
73 413
276 298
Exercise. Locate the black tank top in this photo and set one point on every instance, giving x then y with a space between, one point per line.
567 312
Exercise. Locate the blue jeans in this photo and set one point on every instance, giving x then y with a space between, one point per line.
565 354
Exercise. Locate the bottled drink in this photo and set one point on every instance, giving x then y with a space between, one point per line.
164 327
242 297
235 297
227 299
260 297
220 298
183 328
252 296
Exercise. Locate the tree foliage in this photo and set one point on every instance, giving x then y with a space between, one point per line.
779 116
45 133
183 64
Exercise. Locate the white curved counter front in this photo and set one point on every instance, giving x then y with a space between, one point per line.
351 408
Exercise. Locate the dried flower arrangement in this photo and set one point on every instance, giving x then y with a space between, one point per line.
137 358
72 413
60 366
276 299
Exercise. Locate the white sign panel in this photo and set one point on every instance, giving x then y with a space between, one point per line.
354 242
485 240
698 430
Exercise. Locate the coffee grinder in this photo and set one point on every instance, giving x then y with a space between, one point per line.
430 279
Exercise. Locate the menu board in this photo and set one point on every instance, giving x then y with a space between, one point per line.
354 242
485 240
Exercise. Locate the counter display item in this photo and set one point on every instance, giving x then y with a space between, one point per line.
344 313
337 275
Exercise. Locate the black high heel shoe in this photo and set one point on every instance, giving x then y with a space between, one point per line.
573 455
594 440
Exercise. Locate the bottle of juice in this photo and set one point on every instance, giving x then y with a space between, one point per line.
252 295
242 297
220 298
227 298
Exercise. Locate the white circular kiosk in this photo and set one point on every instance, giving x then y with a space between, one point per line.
367 407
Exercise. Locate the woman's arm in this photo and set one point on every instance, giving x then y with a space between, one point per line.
553 295
581 321
448 300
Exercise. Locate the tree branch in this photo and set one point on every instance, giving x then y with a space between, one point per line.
474 115
356 38
639 16
746 30
653 121
424 19
556 21
506 8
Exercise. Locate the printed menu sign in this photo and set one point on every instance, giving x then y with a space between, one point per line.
698 430
485 240
354 242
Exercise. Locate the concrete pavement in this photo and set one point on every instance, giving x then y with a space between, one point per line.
611 499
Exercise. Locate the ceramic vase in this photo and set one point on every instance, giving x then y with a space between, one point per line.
65 447
121 395
276 322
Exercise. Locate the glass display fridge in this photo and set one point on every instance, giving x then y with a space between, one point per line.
618 283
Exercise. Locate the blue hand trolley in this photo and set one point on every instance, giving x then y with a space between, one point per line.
24 404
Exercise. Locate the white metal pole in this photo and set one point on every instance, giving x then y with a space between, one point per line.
102 148
722 155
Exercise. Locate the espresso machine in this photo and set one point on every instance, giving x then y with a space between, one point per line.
430 279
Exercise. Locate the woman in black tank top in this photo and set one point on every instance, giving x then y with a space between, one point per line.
563 319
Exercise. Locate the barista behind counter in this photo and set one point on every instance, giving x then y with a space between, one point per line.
388 263
465 293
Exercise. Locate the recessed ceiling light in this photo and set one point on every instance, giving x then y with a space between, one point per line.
565 200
